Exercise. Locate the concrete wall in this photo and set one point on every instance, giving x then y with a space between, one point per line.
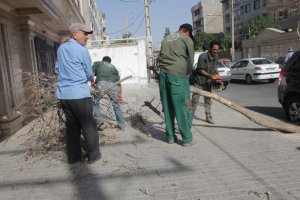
129 60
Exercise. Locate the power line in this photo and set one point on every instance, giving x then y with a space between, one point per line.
128 1
131 24
139 26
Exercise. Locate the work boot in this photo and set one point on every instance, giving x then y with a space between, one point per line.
209 119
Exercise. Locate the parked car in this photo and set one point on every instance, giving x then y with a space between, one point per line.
255 69
224 72
289 88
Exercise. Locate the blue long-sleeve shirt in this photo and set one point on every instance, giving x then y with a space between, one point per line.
74 69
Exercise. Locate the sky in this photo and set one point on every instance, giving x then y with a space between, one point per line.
163 14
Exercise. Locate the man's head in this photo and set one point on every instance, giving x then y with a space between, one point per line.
106 59
214 47
187 29
290 49
80 32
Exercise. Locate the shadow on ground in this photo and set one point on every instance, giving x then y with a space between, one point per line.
275 112
243 82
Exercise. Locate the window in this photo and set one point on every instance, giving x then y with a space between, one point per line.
227 18
197 12
261 61
256 4
242 10
247 8
283 14
244 63
264 3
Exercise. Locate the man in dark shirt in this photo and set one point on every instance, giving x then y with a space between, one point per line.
205 75
176 62
107 75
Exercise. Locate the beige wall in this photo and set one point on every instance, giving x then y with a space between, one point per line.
210 17
271 43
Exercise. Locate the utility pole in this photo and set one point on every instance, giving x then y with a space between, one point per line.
126 25
148 37
232 31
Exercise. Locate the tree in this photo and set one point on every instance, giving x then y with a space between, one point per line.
226 43
256 24
167 32
203 39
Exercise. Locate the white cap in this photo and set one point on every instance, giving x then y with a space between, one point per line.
78 26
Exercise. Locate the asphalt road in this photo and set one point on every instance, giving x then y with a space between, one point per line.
260 97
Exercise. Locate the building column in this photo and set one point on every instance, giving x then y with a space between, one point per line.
10 118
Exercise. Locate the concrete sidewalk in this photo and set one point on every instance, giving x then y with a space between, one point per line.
233 159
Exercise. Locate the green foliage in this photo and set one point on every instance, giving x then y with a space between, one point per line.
226 43
256 24
202 39
167 32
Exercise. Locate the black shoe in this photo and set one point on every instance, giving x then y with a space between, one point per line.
73 161
91 161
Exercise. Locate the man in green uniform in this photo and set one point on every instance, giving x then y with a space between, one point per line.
204 76
176 62
107 75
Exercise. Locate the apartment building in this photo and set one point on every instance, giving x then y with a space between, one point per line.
245 9
94 19
30 33
207 16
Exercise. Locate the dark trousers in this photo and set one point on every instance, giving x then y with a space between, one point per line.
79 118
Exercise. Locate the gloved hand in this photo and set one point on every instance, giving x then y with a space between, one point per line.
93 84
216 77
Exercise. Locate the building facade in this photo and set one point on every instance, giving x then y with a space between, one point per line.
271 43
246 9
30 33
94 19
207 16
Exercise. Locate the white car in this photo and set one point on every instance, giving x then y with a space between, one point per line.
255 69
224 72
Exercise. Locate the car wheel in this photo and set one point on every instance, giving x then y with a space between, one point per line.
292 109
249 79
272 80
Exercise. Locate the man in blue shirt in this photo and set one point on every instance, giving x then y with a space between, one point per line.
74 70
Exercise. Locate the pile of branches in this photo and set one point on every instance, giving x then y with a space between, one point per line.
43 115
46 120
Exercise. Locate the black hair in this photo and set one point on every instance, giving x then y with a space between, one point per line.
214 42
187 27
106 59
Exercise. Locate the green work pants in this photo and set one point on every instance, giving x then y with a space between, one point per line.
175 95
